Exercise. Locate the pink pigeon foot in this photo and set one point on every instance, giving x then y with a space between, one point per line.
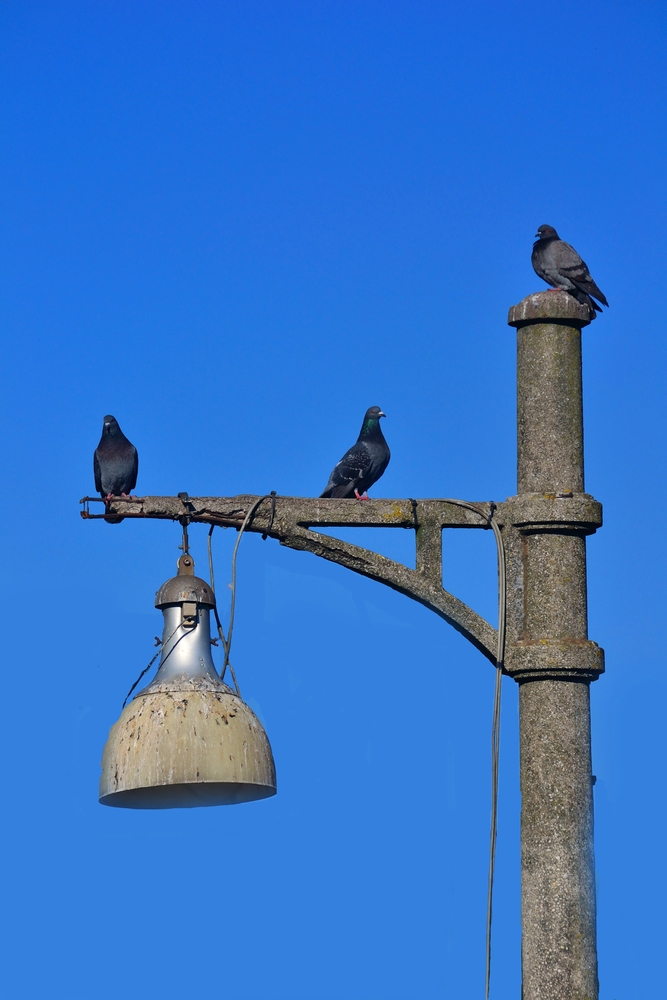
364 497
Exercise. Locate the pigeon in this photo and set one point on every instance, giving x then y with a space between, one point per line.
364 463
559 264
115 464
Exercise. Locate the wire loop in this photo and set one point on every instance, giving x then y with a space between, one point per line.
269 526
227 642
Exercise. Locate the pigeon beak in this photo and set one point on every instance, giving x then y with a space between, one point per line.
381 414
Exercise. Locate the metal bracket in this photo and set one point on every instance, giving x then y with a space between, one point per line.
295 520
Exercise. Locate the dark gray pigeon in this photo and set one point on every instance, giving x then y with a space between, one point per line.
560 266
115 463
364 463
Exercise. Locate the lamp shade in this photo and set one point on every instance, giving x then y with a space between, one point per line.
187 739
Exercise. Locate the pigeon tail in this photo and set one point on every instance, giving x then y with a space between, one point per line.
586 300
559 264
590 290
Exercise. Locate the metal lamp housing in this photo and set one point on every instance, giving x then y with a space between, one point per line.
187 739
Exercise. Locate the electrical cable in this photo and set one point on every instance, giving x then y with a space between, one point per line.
161 644
221 633
227 642
500 655
495 724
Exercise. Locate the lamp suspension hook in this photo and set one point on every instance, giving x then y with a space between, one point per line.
185 521
185 543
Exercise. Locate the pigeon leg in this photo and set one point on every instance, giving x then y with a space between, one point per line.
364 497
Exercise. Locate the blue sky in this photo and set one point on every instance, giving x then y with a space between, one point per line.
235 226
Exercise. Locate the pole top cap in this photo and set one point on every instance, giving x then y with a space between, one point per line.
554 306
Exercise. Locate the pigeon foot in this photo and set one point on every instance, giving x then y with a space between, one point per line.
364 497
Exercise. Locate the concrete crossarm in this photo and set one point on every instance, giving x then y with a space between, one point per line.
296 517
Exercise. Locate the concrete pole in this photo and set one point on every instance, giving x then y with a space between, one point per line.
549 653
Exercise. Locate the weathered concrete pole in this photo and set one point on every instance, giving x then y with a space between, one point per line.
549 653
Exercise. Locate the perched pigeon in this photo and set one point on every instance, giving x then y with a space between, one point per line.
560 266
115 463
364 463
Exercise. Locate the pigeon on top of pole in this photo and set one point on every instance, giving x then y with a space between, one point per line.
115 463
559 264
364 463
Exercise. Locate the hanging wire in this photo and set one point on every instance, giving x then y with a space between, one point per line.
495 740
500 655
185 546
221 633
211 574
227 642
495 724
161 643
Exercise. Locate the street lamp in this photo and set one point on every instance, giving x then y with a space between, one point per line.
187 739
547 650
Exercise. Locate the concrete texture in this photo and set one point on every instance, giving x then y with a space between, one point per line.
550 655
